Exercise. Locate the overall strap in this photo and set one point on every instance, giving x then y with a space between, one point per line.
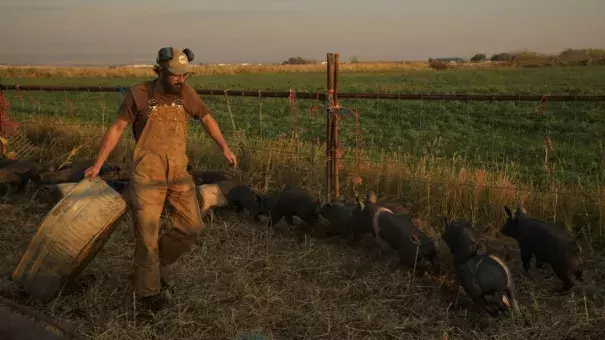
141 120
178 100
151 101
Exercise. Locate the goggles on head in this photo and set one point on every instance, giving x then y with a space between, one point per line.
165 54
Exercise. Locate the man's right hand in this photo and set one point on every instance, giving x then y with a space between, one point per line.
230 157
92 172
112 135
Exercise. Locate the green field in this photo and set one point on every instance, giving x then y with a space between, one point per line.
458 159
492 135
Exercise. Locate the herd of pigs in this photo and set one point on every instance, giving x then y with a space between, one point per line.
485 278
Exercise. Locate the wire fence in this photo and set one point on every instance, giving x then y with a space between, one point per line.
459 155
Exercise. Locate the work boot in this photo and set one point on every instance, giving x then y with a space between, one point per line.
165 276
155 302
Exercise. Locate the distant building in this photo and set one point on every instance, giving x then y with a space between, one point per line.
450 60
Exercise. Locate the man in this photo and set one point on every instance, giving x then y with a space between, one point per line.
158 110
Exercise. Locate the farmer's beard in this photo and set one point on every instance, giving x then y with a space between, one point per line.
171 88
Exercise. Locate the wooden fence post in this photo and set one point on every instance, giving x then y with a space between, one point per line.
2 115
329 118
335 143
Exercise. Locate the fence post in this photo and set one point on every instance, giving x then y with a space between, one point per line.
329 118
335 143
2 114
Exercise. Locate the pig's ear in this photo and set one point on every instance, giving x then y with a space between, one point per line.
371 197
508 212
359 202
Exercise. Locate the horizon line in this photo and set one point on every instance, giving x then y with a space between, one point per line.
139 61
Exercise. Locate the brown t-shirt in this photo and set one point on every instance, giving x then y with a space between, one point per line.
136 98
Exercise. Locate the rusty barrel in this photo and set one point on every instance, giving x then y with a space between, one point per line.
70 236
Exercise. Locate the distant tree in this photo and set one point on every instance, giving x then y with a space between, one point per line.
297 61
354 59
478 57
582 57
501 57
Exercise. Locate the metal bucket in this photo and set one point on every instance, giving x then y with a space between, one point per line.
70 236
65 188
210 196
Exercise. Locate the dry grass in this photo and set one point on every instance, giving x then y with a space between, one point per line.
129 71
244 278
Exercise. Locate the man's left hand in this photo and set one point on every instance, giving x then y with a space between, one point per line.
230 157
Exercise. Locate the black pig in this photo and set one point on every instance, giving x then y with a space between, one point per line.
548 243
14 326
396 207
16 174
399 232
362 228
337 212
485 278
242 197
290 202
73 172
120 185
212 176
340 215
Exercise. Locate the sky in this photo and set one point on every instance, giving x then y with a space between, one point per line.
109 32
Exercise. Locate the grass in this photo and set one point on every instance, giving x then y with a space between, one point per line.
465 160
204 70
